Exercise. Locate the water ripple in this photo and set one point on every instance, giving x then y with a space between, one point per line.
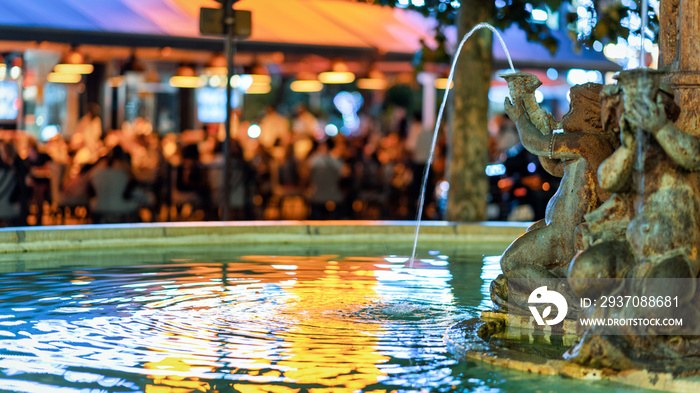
261 322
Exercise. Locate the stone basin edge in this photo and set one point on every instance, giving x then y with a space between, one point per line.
460 346
101 236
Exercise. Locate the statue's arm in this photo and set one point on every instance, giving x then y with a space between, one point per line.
615 171
552 166
650 115
682 147
531 137
570 146
553 146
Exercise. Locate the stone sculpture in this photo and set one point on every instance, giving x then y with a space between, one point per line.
627 213
546 249
522 86
649 229
622 212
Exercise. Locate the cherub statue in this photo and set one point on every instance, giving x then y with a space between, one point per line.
606 253
546 249
666 221
657 205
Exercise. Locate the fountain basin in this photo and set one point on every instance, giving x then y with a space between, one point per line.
142 308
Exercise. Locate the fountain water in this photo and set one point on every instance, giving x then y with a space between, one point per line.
642 142
641 139
424 183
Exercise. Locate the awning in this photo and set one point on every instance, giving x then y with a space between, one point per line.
284 24
324 27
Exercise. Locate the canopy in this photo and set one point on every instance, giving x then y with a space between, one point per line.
326 27
282 23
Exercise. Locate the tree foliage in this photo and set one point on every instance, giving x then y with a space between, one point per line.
587 21
597 20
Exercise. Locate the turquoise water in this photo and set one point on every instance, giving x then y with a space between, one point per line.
248 320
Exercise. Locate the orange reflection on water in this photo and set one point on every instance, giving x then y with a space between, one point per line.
326 348
173 383
264 389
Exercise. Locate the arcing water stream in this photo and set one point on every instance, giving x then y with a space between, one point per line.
424 184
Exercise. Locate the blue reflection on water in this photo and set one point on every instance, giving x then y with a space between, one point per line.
265 322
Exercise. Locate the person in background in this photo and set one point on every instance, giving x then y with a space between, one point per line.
304 123
74 191
324 182
418 144
191 188
39 164
9 179
111 182
88 134
287 179
304 128
261 163
273 127
241 181
369 181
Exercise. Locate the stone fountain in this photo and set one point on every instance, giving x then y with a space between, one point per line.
623 228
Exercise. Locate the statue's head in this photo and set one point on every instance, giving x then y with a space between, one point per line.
584 112
647 82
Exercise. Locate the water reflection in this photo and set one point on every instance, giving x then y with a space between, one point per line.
260 323
325 349
255 323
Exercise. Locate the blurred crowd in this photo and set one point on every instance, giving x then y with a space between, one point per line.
281 167
289 169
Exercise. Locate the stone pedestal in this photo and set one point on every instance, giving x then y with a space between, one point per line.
679 54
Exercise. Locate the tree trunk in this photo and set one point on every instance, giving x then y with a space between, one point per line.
468 147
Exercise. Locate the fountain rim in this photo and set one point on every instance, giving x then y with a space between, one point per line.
114 236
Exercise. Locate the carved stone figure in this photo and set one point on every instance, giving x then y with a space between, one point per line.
628 209
522 86
548 246
657 226
657 204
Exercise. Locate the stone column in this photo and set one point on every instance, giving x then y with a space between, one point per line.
680 49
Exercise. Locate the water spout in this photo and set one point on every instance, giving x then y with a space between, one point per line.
641 136
424 184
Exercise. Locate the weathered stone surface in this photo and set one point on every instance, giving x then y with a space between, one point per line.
658 204
649 228
462 340
522 86
639 218
487 237
547 248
